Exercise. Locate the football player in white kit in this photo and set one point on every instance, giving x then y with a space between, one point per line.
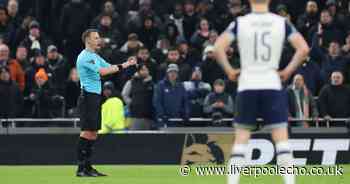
260 36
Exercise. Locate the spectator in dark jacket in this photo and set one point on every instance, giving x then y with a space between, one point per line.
338 16
72 92
160 52
35 39
41 95
170 99
326 29
230 11
110 36
311 73
201 35
177 19
137 94
309 19
109 9
57 69
190 19
188 54
218 104
14 17
173 57
211 69
334 99
143 57
206 10
148 33
38 62
134 19
330 60
197 90
22 31
75 18
301 102
7 29
347 15
172 34
10 96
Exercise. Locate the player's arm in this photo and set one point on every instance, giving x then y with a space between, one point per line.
302 51
221 45
108 69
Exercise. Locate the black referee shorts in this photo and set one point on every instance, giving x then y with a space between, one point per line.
89 105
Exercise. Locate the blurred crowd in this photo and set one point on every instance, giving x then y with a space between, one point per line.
177 75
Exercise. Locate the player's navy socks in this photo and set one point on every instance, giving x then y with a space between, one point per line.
285 159
236 162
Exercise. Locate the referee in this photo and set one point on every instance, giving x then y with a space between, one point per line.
91 67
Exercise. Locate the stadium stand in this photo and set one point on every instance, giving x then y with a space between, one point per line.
40 40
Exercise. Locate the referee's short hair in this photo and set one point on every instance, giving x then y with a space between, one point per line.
87 33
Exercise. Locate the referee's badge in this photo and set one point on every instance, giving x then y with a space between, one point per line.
166 90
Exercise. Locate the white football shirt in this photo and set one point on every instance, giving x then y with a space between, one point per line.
260 38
